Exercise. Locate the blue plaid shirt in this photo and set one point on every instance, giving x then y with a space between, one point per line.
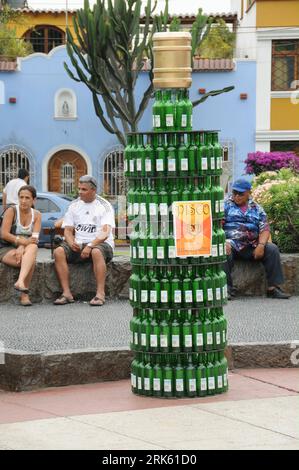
243 228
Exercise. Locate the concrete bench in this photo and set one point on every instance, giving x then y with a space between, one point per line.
248 277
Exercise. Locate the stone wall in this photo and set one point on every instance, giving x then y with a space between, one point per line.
248 277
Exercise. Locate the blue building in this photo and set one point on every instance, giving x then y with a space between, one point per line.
48 123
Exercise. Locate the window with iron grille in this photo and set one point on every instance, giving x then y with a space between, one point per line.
285 146
114 182
12 160
285 64
68 173
44 38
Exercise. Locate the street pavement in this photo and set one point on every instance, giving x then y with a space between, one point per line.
45 327
260 411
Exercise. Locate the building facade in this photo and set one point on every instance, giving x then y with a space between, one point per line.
49 126
268 32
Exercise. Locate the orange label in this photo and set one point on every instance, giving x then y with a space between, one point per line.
192 221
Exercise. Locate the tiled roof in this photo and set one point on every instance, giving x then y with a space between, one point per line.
46 10
204 65
216 65
8 65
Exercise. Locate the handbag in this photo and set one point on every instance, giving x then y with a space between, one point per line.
4 243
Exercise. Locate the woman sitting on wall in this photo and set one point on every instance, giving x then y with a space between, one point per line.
19 239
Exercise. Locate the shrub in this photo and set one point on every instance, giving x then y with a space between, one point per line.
258 162
278 193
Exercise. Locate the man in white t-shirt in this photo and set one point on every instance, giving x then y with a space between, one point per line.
88 226
11 190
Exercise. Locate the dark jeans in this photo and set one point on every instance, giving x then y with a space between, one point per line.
271 262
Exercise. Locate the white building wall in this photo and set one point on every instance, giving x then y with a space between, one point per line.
246 33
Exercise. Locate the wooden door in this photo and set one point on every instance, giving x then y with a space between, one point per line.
59 163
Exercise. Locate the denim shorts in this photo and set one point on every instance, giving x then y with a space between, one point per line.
74 257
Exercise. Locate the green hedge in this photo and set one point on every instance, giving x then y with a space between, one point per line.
278 193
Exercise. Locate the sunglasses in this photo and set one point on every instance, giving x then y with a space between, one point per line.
238 193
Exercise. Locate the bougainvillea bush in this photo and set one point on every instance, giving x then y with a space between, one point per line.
258 162
278 193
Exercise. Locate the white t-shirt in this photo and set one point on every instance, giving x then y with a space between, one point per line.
88 217
11 190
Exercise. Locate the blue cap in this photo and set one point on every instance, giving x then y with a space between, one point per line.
241 185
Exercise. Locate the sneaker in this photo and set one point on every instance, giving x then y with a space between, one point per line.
277 293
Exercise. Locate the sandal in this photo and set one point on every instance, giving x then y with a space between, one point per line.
23 290
97 302
63 300
26 304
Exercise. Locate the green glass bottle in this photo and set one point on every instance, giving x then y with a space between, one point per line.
180 111
134 286
210 287
134 323
209 153
190 378
221 240
154 288
165 288
171 245
140 160
219 197
223 364
155 333
197 287
149 155
187 343
160 155
148 376
197 333
179 377
169 108
145 330
219 374
134 156
218 287
217 327
140 377
158 377
171 155
175 332
165 336
187 286
161 249
163 201
207 332
158 112
201 376
144 290
151 247
128 156
202 162
176 299
183 163
153 203
189 109
192 152
168 377
130 200
217 153
134 373
211 374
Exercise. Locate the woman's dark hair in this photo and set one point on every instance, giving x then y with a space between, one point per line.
29 188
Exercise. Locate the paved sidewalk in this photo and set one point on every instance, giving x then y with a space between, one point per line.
260 411
45 327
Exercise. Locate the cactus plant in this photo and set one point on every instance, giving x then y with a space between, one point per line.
107 54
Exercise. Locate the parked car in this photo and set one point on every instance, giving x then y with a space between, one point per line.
52 206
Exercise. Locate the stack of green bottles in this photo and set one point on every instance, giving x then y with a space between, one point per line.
178 286
194 153
172 110
178 330
154 244
179 375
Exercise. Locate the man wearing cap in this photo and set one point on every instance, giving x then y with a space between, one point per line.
88 225
247 237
